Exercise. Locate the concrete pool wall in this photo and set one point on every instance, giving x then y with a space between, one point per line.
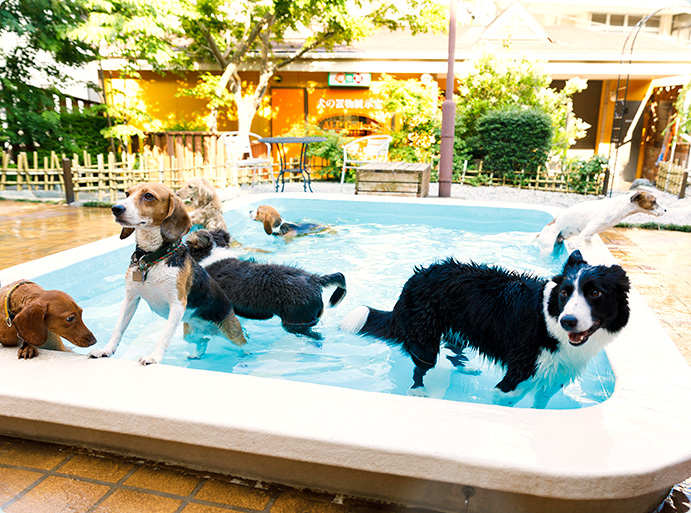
622 455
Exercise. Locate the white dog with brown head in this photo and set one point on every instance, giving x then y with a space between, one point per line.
583 220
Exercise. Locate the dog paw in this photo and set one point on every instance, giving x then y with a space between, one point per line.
27 352
418 392
100 353
148 360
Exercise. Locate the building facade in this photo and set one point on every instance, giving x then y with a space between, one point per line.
607 43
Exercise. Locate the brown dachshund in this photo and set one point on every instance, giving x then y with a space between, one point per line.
34 317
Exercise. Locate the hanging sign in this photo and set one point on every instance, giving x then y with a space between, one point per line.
350 79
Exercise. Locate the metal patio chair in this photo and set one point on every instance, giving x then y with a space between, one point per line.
239 153
371 148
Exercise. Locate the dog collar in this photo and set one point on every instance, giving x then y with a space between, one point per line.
144 261
9 316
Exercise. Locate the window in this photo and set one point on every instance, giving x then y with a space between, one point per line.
623 22
681 28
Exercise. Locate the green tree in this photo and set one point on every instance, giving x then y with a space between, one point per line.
234 35
494 82
417 108
682 107
36 50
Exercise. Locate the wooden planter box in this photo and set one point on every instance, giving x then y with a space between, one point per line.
393 178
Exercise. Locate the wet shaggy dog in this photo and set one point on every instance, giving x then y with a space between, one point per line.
541 332
33 317
208 209
260 291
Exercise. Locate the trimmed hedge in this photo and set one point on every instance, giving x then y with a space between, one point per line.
515 139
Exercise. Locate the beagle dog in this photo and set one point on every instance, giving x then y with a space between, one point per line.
34 317
275 225
583 220
162 272
208 210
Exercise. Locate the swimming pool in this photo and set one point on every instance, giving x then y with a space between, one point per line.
621 455
377 248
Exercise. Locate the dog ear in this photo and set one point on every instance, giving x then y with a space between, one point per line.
126 232
177 223
634 197
575 258
204 193
268 228
623 283
30 324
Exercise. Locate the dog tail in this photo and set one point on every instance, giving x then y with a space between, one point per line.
369 321
335 280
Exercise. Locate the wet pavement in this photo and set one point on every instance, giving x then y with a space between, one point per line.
42 477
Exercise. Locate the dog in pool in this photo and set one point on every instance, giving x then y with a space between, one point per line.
275 225
261 290
541 332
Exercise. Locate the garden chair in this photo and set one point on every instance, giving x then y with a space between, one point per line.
372 148
239 153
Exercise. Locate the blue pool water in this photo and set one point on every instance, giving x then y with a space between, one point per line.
376 246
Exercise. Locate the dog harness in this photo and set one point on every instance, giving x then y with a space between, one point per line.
148 260
9 316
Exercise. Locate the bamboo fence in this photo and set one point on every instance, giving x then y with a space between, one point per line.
173 158
567 180
672 178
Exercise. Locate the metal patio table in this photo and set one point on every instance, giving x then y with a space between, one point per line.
285 166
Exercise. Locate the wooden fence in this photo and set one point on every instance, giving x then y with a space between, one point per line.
567 180
672 178
111 174
177 156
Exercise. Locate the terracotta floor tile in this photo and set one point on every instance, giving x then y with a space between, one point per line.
234 495
13 481
203 508
29 454
293 502
128 501
59 495
163 480
34 230
94 467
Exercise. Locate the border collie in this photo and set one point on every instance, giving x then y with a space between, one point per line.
260 291
542 333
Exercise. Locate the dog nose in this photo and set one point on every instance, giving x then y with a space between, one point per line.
117 210
568 322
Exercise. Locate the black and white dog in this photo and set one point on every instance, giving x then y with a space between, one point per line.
542 333
260 291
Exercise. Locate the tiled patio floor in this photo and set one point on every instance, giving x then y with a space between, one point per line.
46 478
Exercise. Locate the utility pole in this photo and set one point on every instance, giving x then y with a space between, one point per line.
448 113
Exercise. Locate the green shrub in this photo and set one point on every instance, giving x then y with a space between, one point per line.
514 140
83 132
585 174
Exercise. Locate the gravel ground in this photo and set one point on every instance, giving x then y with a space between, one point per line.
678 210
